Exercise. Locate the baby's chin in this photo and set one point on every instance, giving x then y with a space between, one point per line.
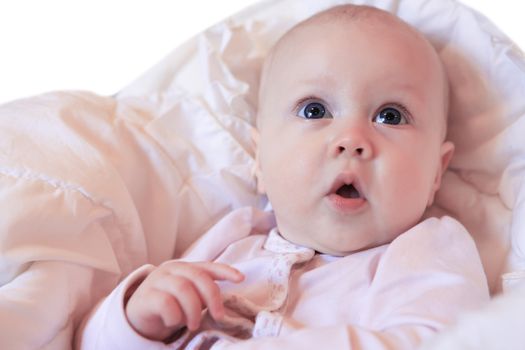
340 241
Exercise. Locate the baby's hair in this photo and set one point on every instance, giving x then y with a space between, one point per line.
350 13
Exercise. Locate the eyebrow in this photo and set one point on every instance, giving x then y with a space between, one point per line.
323 81
327 81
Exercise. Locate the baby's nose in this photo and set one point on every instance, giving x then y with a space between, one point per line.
352 144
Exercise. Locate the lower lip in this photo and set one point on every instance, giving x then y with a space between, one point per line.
346 205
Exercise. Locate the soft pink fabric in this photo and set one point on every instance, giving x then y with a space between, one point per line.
392 296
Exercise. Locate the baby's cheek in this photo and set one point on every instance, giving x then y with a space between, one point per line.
287 175
414 189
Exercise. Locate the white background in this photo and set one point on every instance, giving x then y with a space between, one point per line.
102 45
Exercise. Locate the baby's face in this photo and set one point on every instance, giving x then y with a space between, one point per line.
351 146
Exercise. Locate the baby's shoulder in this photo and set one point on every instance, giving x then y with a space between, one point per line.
445 229
443 238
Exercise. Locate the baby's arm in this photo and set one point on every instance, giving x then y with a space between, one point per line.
173 296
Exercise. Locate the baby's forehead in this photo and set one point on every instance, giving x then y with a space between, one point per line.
354 22
347 18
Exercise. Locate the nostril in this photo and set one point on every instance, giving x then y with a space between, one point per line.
359 151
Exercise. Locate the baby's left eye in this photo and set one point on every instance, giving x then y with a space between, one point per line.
390 116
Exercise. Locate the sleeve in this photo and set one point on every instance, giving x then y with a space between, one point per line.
107 326
426 278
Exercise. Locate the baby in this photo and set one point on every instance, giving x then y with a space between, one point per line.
350 152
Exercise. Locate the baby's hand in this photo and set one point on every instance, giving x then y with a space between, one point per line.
174 295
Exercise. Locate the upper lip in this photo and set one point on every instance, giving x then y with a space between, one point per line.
346 178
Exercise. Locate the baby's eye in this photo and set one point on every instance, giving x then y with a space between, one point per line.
390 116
314 110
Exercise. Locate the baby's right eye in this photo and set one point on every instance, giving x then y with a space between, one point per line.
314 110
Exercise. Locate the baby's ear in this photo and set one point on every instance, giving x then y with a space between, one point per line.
447 151
257 167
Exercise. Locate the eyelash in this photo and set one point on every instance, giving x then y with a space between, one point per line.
401 108
301 104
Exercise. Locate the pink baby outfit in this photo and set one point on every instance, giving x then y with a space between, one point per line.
388 297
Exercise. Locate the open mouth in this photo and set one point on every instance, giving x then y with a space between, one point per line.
348 191
347 196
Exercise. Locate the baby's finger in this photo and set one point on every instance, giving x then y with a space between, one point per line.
217 271
209 292
188 297
168 309
203 276
220 271
155 314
